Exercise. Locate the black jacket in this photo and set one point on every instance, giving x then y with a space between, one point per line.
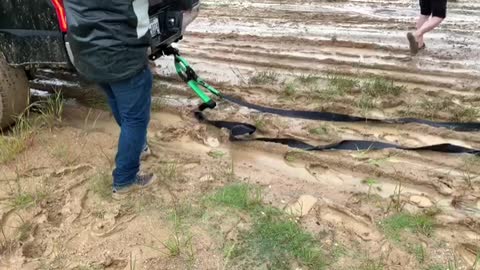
108 38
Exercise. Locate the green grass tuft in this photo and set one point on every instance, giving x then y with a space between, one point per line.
265 77
290 89
279 241
101 184
274 238
239 196
339 85
24 200
418 251
51 109
323 130
370 264
462 114
307 79
437 267
379 86
16 141
217 154
24 231
401 222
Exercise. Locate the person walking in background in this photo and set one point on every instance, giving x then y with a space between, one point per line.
432 14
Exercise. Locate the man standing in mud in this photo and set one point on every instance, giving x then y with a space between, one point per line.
432 14
109 42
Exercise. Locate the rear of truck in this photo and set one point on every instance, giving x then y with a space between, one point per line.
34 51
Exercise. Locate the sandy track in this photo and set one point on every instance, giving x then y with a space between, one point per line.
315 36
77 226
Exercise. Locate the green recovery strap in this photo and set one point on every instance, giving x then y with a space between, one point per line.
188 75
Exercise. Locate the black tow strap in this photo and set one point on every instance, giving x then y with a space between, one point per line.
243 131
335 117
238 131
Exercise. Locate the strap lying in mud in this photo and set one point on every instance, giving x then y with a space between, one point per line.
242 131
335 117
188 74
239 130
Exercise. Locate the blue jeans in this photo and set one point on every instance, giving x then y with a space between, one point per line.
130 101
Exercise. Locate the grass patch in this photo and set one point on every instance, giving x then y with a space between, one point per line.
24 231
17 140
339 85
462 114
371 264
63 153
158 104
419 251
180 242
292 156
370 182
265 77
338 251
261 122
51 109
307 79
374 88
217 154
365 103
379 86
336 85
187 211
240 196
476 264
278 240
441 109
143 203
437 267
430 109
274 239
175 243
24 200
290 90
403 222
11 147
322 130
101 184
168 172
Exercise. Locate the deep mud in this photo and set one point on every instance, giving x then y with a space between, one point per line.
55 210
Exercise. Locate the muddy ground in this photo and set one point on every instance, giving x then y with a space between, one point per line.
253 205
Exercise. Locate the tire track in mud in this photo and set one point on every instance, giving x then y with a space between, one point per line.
272 34
285 64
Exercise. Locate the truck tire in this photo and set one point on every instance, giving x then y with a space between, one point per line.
14 93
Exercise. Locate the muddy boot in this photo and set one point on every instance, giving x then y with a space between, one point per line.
142 181
413 43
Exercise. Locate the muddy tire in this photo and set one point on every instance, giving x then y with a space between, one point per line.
14 93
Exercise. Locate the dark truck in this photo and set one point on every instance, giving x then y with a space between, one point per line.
34 52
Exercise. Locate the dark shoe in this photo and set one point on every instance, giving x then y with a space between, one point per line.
146 152
423 47
413 43
142 181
